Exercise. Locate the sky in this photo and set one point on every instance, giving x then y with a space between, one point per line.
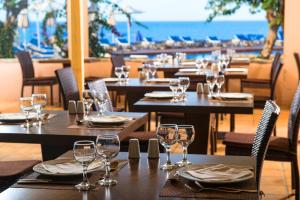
182 10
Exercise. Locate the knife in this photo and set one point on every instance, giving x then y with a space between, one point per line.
46 181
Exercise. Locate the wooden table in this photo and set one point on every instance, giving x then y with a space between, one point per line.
66 62
197 110
59 134
139 179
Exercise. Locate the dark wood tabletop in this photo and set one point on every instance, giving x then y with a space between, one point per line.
58 134
197 111
139 179
66 62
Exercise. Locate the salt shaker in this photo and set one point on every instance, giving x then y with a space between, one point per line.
80 107
72 107
134 149
153 148
200 88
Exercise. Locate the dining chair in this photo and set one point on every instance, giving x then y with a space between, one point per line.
29 78
297 59
68 85
143 136
283 149
11 171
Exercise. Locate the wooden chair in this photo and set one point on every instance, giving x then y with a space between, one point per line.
11 171
29 78
68 85
280 148
297 58
142 136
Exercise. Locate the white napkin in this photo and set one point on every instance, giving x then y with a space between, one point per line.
70 167
191 63
220 172
236 70
189 70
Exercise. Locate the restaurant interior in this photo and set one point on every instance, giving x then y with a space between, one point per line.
123 126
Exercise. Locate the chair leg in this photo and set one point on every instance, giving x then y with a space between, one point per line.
59 96
149 121
232 122
274 131
32 89
51 94
22 90
295 177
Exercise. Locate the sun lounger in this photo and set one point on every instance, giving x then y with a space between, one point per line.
214 40
187 39
123 42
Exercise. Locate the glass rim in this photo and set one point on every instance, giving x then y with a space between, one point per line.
107 135
25 98
166 125
84 142
185 126
39 94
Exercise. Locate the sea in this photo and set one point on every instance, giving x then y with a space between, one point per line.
161 30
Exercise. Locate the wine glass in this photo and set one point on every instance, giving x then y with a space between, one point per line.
174 86
167 136
152 70
184 83
186 135
119 72
205 63
226 61
101 99
126 70
108 147
211 81
39 101
88 100
199 64
26 106
84 152
146 70
220 81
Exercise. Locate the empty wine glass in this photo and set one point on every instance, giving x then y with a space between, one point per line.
186 135
199 64
101 99
220 81
146 70
167 136
174 86
205 63
26 106
88 100
184 83
126 70
108 147
226 61
152 70
211 81
84 152
119 72
39 101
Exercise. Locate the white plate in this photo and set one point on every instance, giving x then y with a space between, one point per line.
236 70
108 119
184 174
159 95
234 96
188 63
41 167
15 117
159 80
110 79
189 70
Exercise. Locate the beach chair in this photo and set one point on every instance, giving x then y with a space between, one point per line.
147 42
104 42
174 40
187 40
214 40
122 42
256 38
241 39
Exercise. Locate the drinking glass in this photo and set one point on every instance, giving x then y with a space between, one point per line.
108 147
26 106
167 135
152 70
146 70
119 72
174 86
220 81
186 135
84 152
126 70
205 63
199 64
39 101
184 83
101 99
88 100
211 81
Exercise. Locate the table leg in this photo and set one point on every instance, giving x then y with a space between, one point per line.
50 152
202 127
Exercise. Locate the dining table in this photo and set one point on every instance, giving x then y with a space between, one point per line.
57 134
66 62
198 110
140 179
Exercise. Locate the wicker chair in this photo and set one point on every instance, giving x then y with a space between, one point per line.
280 148
68 85
142 136
29 78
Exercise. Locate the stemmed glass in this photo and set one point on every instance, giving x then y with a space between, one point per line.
174 85
199 64
119 72
220 81
85 153
184 83
108 147
211 81
126 70
101 99
146 69
152 70
167 135
26 106
39 101
226 61
186 135
88 100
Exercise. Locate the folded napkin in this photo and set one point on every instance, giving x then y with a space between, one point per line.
220 172
188 70
70 167
108 119
191 63
236 70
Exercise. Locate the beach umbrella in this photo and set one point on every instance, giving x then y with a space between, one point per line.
139 37
130 10
112 21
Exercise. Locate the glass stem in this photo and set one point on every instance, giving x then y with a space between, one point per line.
184 153
168 156
26 118
107 170
84 174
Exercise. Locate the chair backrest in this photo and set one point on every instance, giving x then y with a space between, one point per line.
117 61
297 58
26 64
68 85
293 122
275 71
263 134
100 87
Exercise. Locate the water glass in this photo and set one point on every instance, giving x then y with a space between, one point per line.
84 152
199 64
184 83
126 70
101 98
108 147
26 105
220 81
146 70
167 135
211 81
186 135
119 73
88 100
174 85
39 101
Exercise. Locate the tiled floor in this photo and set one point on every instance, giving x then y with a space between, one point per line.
276 178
